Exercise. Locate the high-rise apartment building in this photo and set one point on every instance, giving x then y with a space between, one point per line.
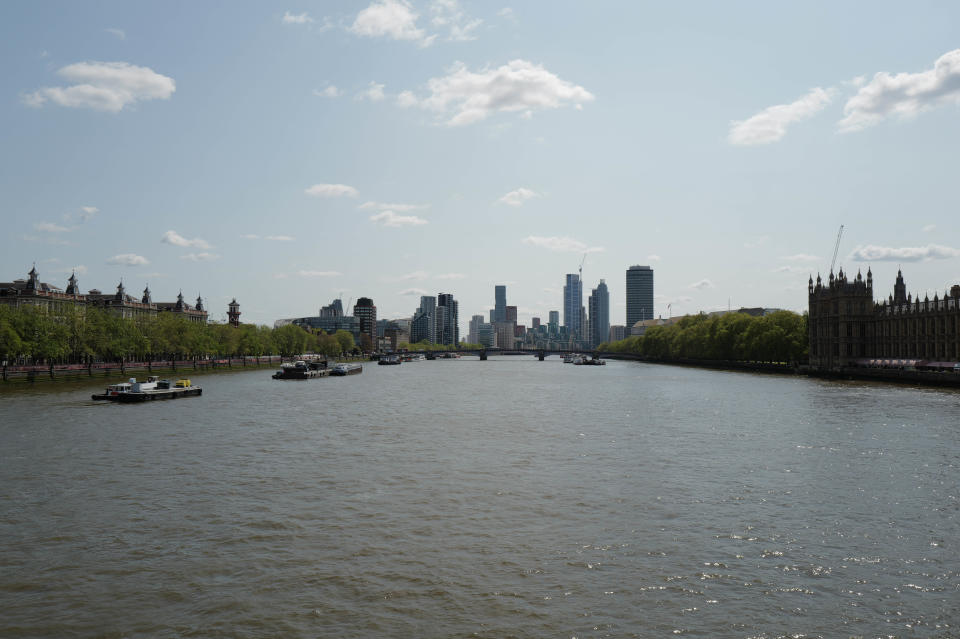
573 306
639 294
423 326
473 337
500 303
448 320
599 314
366 312
553 322
511 314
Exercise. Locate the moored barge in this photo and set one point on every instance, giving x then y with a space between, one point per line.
347 368
302 370
152 389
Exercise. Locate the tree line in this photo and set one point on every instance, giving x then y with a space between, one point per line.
84 334
778 337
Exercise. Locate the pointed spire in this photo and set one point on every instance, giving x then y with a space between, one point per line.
146 299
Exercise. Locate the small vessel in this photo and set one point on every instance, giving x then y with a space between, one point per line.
347 368
302 369
570 358
152 389
390 360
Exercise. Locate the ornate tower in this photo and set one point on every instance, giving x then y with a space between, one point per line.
33 281
72 287
199 305
179 305
899 289
121 292
234 313
146 296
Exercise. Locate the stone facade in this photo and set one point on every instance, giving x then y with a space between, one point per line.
847 328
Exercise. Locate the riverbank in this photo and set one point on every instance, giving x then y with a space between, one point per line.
897 376
54 372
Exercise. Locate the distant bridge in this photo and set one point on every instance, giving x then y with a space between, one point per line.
540 353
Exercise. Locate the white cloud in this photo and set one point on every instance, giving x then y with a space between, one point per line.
871 253
702 284
653 258
389 218
87 212
128 259
79 269
200 257
447 14
119 33
279 238
50 227
374 93
104 86
407 99
451 276
298 18
756 241
392 206
328 92
172 237
413 291
928 228
770 125
562 244
789 269
250 236
390 18
332 190
518 85
416 275
319 273
518 197
801 257
507 13
903 94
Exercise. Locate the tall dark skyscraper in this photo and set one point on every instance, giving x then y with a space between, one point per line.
448 321
366 312
599 314
500 303
639 294
573 305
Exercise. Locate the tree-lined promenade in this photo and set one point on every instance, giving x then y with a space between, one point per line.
780 337
29 335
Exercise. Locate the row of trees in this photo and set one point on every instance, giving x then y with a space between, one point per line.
778 337
85 334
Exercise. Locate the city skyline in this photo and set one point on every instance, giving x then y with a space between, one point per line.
311 151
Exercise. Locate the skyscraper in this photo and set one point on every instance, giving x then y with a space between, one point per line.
639 294
599 314
511 314
423 325
573 305
553 322
500 303
475 323
366 312
448 323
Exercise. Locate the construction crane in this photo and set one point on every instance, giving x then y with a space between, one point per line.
581 268
836 247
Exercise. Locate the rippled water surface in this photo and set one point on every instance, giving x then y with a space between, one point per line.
506 498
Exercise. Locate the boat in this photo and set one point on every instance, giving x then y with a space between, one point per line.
570 358
302 369
390 360
347 368
583 360
152 389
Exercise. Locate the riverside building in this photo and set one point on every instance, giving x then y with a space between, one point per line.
639 294
573 306
599 303
848 328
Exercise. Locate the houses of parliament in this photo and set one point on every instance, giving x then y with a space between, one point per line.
848 328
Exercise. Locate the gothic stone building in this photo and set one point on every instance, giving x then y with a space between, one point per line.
847 328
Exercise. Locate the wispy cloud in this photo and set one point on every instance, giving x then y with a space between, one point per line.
87 213
332 190
388 206
561 244
928 228
770 125
801 257
104 86
653 258
903 94
50 227
118 33
872 253
413 291
464 97
448 15
279 238
296 18
373 92
702 284
200 257
309 273
389 218
128 259
328 92
174 238
518 197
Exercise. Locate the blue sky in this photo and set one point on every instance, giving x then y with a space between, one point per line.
282 153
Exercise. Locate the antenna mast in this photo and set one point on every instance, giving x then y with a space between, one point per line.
836 247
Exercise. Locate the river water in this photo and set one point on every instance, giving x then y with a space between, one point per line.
505 498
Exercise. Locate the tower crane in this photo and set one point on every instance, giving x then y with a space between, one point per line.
581 268
836 247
